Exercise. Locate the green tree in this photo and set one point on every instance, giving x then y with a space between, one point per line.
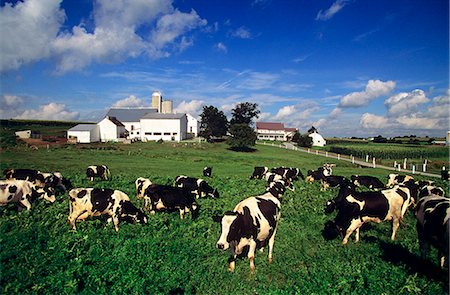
213 123
304 140
244 113
242 136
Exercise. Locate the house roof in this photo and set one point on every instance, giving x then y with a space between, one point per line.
115 121
129 114
83 127
270 126
163 116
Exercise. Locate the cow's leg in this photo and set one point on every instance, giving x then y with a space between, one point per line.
73 217
395 224
25 202
355 224
357 235
251 255
182 213
271 242
231 263
116 222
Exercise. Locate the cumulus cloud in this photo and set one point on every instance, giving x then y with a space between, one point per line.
51 111
130 101
330 12
404 103
32 29
374 89
9 105
242 33
193 107
221 47
371 121
27 30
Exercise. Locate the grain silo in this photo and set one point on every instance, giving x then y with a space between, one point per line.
167 107
157 101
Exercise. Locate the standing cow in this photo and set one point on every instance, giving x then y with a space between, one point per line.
252 223
21 192
100 171
207 171
85 202
196 186
433 223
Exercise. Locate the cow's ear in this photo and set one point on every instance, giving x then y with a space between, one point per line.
217 218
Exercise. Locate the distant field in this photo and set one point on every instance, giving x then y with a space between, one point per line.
39 254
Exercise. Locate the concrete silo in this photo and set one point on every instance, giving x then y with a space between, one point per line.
167 107
157 101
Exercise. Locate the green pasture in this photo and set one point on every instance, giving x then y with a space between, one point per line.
40 255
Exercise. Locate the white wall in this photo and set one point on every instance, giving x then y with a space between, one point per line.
108 130
165 129
192 125
85 136
134 132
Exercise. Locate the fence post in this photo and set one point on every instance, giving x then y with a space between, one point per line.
404 163
373 162
399 167
309 151
353 160
424 168
317 152
339 156
367 158
395 164
326 154
413 169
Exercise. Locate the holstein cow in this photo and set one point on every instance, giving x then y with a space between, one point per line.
394 179
433 215
252 223
288 173
164 197
50 182
431 190
85 202
141 185
198 187
320 173
100 171
356 208
274 177
367 181
22 192
259 172
332 181
207 171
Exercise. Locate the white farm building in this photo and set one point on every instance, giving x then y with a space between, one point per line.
84 133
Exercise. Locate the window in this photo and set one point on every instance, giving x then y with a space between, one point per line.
132 127
166 133
174 133
156 133
148 133
137 133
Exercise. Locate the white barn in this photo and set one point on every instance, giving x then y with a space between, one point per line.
131 118
317 139
168 127
111 129
192 125
84 133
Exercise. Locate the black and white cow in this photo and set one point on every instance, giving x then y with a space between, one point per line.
395 179
100 171
141 185
196 186
207 171
356 208
368 181
252 224
277 188
21 174
164 197
271 177
431 190
433 224
332 181
22 192
259 172
444 174
320 173
288 173
85 202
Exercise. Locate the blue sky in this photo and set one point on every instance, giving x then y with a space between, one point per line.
350 68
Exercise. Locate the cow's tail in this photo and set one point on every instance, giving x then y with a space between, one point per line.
108 173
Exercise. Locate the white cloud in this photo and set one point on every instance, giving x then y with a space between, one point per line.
27 29
31 28
404 103
221 47
415 122
330 12
374 89
130 101
258 81
284 112
9 106
371 121
242 33
193 107
51 111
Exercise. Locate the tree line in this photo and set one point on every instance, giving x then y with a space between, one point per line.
241 134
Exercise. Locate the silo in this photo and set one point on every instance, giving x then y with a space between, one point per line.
156 100
167 107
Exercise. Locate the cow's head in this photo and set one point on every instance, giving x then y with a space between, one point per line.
278 188
41 193
131 214
331 230
230 229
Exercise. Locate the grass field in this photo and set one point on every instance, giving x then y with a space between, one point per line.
39 254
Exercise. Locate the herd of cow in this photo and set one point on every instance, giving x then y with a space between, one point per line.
253 222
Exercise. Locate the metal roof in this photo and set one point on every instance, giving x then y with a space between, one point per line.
129 114
83 127
163 116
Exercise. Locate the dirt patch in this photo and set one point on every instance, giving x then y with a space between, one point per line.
39 143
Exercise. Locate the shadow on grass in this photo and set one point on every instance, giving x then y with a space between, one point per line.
242 149
398 255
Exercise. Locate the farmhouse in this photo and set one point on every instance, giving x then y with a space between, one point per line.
274 131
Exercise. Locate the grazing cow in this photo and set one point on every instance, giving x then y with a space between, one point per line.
433 217
277 188
22 192
252 223
259 172
320 173
164 197
395 179
21 174
207 171
288 173
141 185
357 208
431 190
85 202
444 174
332 181
100 171
367 181
50 182
274 177
198 187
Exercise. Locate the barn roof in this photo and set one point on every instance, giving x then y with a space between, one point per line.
115 121
270 126
83 127
163 116
129 114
